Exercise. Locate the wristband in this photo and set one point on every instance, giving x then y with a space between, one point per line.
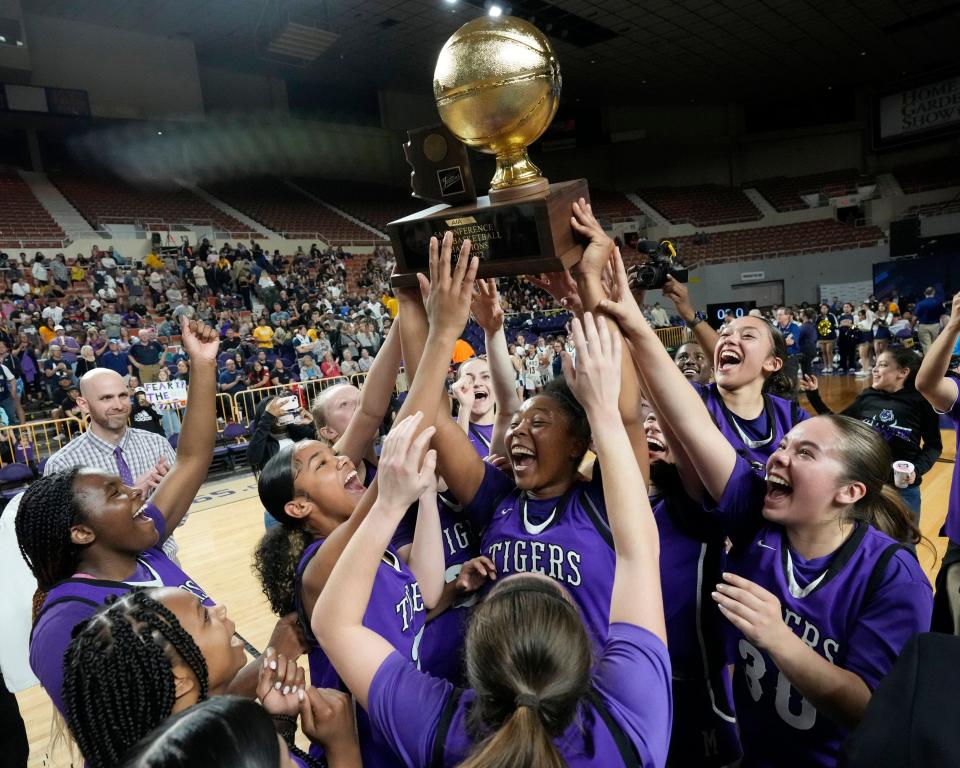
695 322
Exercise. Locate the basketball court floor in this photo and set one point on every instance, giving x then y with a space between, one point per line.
226 521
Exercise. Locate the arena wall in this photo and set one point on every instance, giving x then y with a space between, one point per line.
126 74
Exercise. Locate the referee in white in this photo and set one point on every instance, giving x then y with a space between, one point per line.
140 458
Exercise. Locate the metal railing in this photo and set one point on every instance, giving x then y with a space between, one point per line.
36 440
673 336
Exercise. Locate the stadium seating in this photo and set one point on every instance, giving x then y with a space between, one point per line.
935 174
784 192
703 205
766 242
24 222
110 201
295 216
374 204
612 206
933 209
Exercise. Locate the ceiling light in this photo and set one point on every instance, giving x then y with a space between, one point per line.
159 133
495 11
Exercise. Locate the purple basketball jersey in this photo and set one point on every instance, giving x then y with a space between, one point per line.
753 440
856 607
481 435
76 599
396 612
441 650
952 524
566 538
632 680
691 557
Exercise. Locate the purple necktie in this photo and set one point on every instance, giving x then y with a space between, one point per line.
124 471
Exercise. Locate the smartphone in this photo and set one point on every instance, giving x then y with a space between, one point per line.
290 407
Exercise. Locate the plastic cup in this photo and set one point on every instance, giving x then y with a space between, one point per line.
901 473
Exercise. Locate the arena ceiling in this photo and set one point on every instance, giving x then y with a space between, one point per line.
649 49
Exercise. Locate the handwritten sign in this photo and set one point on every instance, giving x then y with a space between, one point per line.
166 395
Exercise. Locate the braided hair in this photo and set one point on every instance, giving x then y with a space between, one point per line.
48 509
118 681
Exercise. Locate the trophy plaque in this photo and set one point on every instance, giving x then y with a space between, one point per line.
497 87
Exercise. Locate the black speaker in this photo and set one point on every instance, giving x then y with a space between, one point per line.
155 239
905 237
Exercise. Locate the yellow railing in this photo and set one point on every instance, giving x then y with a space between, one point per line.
245 403
674 336
37 440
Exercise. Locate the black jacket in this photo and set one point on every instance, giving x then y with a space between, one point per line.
904 419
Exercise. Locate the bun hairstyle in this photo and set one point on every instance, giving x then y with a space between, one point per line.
529 661
223 731
275 486
866 459
906 358
275 563
779 382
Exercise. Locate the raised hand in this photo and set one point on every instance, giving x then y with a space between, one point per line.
753 610
954 322
475 573
677 293
809 383
448 304
463 391
199 340
595 381
600 244
485 306
621 305
406 467
278 683
562 287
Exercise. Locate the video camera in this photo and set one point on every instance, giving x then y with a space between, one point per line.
653 273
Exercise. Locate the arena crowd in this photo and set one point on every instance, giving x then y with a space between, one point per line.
488 584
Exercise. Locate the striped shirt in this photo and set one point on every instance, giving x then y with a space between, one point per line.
141 450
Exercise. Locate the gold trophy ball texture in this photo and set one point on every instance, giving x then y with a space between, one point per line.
497 87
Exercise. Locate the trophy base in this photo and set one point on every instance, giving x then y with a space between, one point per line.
527 235
530 189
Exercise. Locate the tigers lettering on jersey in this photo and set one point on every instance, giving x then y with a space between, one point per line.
537 557
410 605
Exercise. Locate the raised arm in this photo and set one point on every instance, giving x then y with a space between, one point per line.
589 275
448 308
705 335
374 399
488 313
675 401
636 597
457 462
198 433
932 383
405 474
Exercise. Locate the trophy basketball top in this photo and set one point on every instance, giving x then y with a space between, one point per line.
497 87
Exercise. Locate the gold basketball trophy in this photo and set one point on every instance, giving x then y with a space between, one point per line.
497 87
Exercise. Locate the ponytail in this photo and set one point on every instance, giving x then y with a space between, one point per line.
521 742
866 459
906 358
529 660
275 563
888 513
779 383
